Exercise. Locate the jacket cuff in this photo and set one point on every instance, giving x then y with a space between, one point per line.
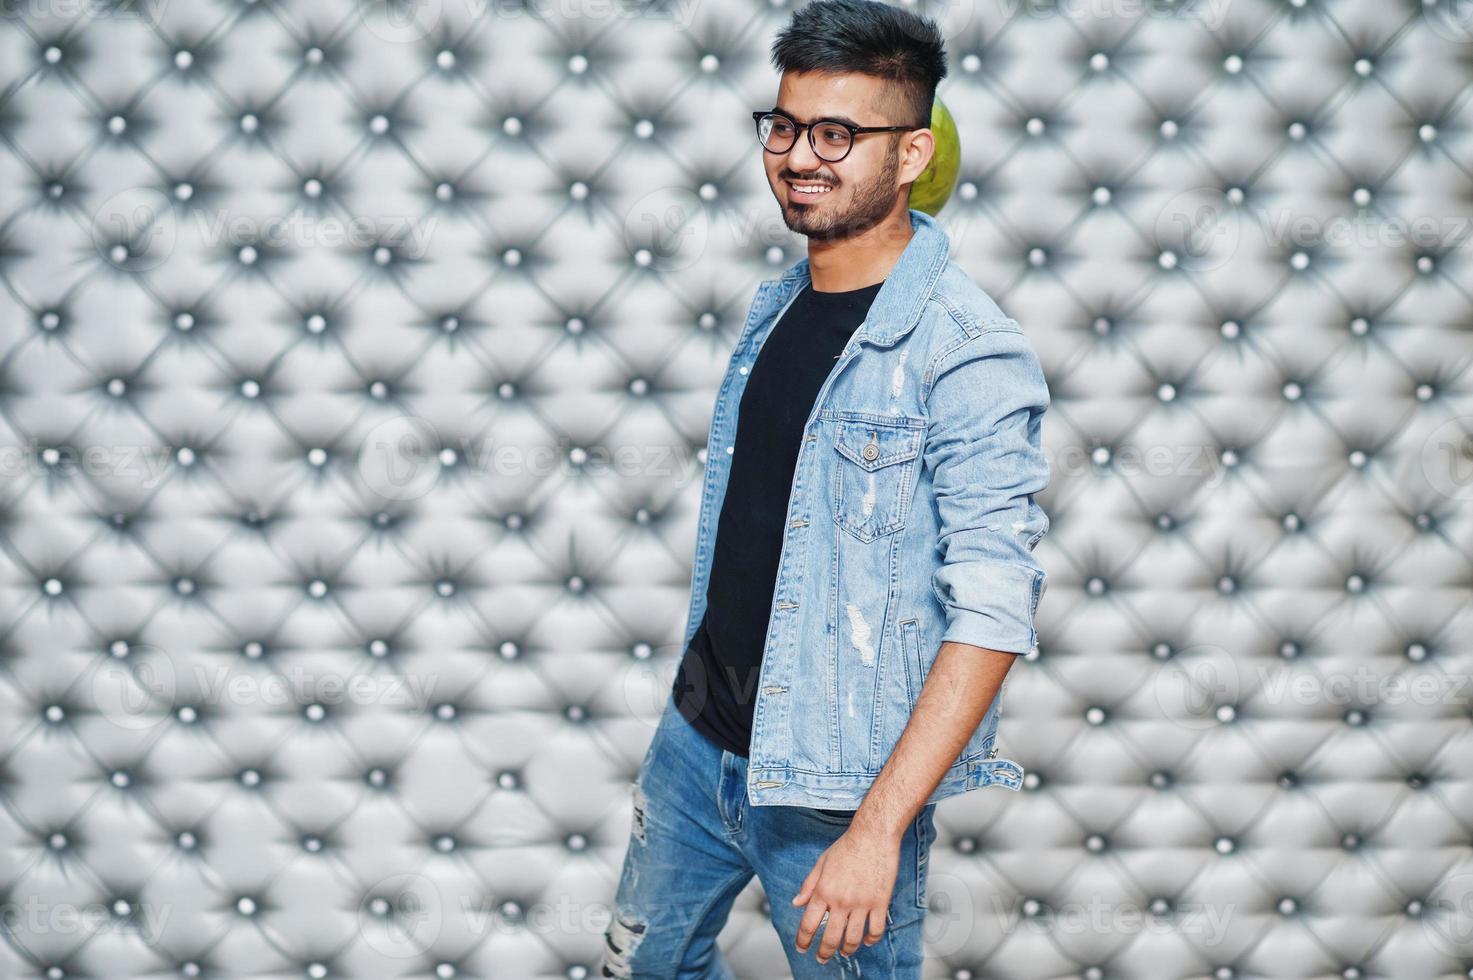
990 604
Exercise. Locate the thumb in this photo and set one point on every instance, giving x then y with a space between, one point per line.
805 891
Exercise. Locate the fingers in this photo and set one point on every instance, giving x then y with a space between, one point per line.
833 934
854 932
808 925
876 919
843 930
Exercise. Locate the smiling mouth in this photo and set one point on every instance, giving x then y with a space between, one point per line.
808 190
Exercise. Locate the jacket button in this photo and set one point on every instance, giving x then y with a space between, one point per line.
871 451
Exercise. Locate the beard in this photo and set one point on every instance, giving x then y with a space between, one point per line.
873 201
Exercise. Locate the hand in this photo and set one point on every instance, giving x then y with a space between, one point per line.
853 881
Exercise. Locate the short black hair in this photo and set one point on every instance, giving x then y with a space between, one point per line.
870 38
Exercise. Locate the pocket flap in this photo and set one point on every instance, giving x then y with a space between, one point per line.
872 445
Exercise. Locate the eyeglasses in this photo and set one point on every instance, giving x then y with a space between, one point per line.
831 140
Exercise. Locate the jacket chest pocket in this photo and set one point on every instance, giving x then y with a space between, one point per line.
874 475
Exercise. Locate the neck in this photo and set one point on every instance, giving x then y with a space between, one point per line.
841 264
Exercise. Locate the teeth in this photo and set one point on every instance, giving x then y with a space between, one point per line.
817 189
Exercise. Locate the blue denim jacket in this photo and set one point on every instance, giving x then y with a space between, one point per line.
911 521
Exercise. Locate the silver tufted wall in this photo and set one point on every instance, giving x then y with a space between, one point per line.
358 362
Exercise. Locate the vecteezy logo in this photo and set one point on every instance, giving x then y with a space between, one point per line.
1447 916
1447 459
399 459
668 229
401 21
1450 19
1193 685
1195 231
134 687
135 230
401 916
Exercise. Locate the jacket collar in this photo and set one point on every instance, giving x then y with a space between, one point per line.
899 303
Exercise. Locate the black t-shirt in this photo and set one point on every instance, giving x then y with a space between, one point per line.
716 682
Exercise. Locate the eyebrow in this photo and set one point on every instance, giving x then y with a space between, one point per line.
841 119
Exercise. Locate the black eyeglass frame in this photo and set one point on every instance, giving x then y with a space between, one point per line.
759 114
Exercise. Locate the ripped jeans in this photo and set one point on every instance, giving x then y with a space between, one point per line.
696 843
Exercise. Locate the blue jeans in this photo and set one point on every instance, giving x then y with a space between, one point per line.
695 845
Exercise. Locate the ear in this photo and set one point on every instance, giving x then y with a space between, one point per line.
916 154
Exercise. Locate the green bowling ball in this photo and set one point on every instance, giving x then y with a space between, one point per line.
933 187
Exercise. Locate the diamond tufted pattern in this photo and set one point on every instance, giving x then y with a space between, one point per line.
358 361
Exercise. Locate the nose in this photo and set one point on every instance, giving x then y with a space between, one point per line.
801 158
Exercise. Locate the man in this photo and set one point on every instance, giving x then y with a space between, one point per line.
864 574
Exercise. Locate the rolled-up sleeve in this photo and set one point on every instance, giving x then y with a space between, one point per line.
984 452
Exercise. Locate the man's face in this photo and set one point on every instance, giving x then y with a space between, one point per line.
865 187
